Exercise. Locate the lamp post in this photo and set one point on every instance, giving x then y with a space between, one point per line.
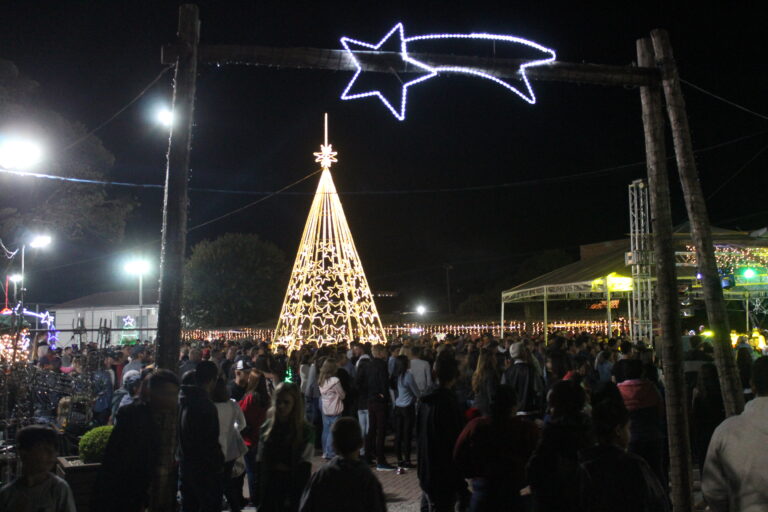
139 268
36 242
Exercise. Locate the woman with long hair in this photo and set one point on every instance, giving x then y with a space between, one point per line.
406 394
254 405
285 452
485 381
332 398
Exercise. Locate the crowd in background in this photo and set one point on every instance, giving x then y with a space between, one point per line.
487 424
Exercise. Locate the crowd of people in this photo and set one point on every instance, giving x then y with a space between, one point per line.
487 424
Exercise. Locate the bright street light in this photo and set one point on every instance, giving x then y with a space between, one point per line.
165 117
137 267
15 278
19 154
421 309
40 241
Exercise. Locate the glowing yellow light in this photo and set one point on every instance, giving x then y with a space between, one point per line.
616 283
328 298
707 334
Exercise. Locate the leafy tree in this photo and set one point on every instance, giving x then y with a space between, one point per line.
235 280
72 210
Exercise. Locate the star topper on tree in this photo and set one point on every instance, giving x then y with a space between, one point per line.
430 71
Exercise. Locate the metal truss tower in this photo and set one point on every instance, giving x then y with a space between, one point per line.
640 258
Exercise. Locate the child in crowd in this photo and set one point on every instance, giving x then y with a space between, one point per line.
37 488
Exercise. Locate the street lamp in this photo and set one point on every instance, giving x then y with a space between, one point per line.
35 242
139 268
19 154
421 309
165 117
15 279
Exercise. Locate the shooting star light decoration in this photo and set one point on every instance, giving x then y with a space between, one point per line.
426 71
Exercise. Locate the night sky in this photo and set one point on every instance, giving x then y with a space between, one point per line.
256 129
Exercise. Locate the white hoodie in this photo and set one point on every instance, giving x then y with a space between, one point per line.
332 395
735 474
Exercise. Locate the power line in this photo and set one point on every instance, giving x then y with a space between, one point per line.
740 169
120 111
542 181
729 102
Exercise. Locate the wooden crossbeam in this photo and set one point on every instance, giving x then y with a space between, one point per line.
391 62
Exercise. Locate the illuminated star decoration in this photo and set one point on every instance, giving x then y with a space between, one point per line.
326 156
432 71
129 322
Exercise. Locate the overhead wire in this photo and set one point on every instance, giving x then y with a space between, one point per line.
724 100
120 111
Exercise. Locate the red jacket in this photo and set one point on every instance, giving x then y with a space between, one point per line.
255 415
496 451
639 394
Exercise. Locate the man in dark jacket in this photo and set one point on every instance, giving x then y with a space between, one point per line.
131 455
345 483
439 425
612 479
378 395
201 461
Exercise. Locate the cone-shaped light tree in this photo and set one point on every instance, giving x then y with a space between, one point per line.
328 298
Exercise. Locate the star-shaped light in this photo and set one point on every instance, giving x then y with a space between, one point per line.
399 111
326 156
129 322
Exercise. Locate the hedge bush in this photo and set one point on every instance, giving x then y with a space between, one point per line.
93 443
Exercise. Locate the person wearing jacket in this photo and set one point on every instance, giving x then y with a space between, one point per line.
734 472
231 422
332 399
555 461
525 380
406 395
345 483
378 395
361 385
132 451
201 461
254 406
492 451
422 373
646 410
611 479
439 424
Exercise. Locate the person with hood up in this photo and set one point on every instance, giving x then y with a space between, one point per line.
332 398
440 422
555 461
734 476
201 461
646 410
525 380
612 479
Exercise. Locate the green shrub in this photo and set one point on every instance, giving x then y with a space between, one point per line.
93 443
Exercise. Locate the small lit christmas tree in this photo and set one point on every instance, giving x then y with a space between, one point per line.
328 299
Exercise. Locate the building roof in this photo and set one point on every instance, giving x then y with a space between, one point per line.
574 281
111 299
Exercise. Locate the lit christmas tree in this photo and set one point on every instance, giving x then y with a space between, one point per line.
328 299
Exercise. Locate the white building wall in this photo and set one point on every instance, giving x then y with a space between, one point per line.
67 319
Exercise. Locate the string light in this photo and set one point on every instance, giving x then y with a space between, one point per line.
328 299
432 71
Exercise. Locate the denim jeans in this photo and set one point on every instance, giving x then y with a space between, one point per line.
362 417
328 422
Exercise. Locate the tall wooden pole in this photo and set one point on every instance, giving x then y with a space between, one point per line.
701 231
666 288
163 496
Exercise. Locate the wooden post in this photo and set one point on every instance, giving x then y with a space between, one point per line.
163 496
701 231
666 289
